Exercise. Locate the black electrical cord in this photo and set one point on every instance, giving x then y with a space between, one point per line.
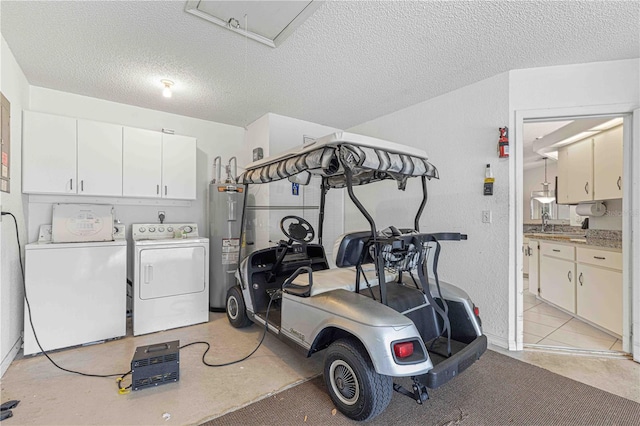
24 287
264 333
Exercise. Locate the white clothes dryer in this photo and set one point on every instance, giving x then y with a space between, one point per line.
171 277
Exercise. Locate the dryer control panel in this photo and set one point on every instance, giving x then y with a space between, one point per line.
163 231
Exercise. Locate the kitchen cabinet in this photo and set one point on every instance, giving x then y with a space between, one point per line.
158 165
599 288
557 275
49 154
525 257
178 167
607 164
99 153
64 155
591 169
534 266
142 163
580 171
562 186
583 280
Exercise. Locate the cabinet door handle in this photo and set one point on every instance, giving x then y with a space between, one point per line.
556 250
165 190
599 257
586 187
71 184
619 183
569 275
158 189
82 185
580 278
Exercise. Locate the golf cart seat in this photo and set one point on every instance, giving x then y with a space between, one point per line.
349 249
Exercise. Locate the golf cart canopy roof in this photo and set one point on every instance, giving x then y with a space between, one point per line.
369 160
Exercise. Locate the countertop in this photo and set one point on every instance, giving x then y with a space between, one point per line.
577 239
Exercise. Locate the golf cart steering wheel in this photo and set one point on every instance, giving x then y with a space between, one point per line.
300 231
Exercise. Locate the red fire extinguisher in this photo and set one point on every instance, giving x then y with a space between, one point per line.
503 142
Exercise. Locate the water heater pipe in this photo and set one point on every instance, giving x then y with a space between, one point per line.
233 175
217 169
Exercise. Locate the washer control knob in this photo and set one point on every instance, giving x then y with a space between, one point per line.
152 229
188 229
170 229
161 229
142 229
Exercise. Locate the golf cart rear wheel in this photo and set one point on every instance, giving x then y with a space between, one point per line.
354 386
236 310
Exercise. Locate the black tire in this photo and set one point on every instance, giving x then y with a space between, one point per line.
353 384
235 308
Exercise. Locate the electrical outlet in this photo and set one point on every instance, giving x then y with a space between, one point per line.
486 216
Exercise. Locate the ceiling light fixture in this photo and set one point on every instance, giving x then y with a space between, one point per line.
166 92
546 195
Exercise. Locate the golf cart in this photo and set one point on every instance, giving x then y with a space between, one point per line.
382 312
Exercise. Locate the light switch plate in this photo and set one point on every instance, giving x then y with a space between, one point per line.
486 216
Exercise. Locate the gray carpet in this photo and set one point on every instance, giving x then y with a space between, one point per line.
496 390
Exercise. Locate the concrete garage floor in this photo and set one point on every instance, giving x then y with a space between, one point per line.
53 397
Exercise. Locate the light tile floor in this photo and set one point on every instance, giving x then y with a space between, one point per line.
548 326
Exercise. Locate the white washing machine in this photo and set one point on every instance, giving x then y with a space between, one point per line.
170 277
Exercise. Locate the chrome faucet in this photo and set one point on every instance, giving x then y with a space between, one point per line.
545 221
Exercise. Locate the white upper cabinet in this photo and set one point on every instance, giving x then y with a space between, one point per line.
562 189
607 164
99 158
580 172
178 167
63 155
49 154
142 163
591 169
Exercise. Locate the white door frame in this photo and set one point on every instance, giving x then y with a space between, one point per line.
630 222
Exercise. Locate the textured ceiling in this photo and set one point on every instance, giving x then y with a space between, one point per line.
348 63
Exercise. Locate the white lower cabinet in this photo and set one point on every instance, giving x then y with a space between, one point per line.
534 266
583 280
557 282
599 287
599 296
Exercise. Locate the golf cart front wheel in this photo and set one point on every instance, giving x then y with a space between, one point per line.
353 384
236 310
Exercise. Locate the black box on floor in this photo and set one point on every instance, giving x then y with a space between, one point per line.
155 365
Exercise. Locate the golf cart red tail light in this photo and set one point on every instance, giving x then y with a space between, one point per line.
476 311
403 350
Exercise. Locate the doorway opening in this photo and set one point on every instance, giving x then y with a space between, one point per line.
574 295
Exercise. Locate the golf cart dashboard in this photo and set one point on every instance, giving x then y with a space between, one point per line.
297 255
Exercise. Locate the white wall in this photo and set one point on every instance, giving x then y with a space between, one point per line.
459 131
15 88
